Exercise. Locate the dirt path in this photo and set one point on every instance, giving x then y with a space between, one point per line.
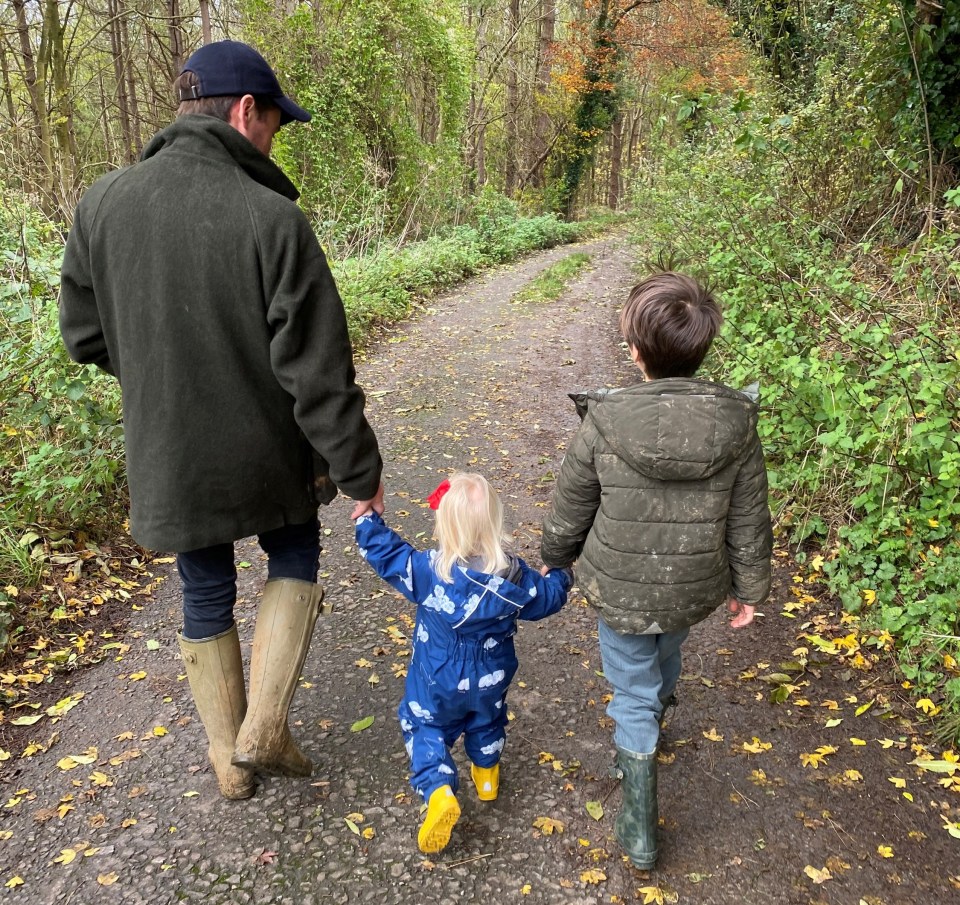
477 382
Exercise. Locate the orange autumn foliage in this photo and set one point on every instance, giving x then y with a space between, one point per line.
687 36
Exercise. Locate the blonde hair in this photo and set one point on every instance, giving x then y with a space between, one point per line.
470 527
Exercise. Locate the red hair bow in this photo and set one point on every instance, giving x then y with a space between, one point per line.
437 495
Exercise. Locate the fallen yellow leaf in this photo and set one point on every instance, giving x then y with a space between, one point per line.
818 876
14 882
66 856
593 876
547 825
107 879
885 851
756 746
713 735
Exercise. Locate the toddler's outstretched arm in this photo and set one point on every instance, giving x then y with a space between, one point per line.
552 587
388 554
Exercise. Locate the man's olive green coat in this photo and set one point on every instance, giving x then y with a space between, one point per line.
195 279
663 497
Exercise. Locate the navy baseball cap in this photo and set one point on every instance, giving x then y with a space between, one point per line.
232 68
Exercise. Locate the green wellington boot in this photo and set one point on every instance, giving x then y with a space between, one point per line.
636 824
215 673
285 622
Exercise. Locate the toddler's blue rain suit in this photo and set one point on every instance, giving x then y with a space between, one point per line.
463 655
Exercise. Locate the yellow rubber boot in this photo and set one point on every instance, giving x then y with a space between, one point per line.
443 812
487 781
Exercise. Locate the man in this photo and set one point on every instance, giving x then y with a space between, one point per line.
194 278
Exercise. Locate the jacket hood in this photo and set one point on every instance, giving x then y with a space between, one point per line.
212 137
674 429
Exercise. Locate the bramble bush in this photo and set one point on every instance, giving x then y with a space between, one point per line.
856 345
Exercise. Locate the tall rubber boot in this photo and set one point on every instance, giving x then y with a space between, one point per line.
636 824
215 672
285 621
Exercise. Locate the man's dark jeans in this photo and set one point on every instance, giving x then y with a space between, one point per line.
209 575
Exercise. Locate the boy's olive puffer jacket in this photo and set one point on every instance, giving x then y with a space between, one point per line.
663 497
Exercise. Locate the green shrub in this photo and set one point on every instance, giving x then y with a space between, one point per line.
856 347
382 287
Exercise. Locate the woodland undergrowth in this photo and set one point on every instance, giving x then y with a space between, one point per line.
848 314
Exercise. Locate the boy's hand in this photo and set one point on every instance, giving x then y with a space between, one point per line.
743 613
372 505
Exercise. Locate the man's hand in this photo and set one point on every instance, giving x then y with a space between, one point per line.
375 504
743 613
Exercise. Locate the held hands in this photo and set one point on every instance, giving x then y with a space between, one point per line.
364 507
743 613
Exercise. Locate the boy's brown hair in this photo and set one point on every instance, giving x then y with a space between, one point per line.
670 319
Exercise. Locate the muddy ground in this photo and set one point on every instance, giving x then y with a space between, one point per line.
475 381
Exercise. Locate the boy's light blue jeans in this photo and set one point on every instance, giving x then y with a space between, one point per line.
643 670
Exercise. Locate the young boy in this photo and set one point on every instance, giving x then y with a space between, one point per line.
662 499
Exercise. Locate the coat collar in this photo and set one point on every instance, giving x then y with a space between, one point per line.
214 138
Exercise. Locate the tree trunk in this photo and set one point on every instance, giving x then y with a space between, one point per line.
616 158
475 137
136 142
513 103
8 95
205 20
177 40
36 90
119 72
543 126
63 100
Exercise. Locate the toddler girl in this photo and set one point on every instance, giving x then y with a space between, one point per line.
469 595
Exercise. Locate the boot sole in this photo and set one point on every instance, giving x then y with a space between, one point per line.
435 836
